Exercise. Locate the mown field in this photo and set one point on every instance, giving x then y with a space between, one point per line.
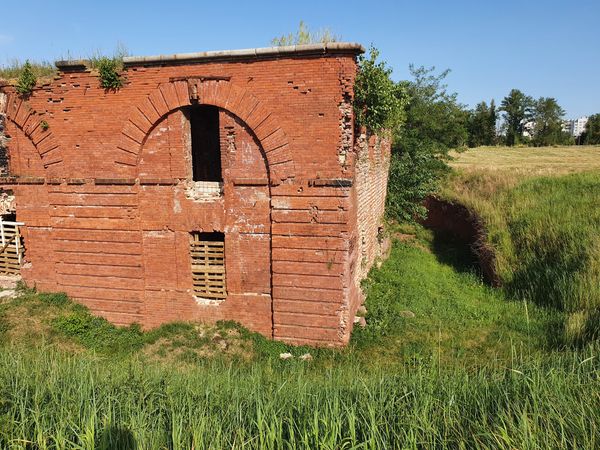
530 161
444 361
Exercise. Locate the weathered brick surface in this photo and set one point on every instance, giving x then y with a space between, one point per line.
106 195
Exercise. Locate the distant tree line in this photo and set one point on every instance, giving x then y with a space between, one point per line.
533 122
525 121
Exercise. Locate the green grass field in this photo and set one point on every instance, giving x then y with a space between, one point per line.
544 229
444 361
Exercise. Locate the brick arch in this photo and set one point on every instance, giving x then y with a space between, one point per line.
29 122
178 94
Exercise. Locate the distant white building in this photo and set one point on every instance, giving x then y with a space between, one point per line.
529 129
575 127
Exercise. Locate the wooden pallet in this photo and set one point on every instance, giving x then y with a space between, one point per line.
208 267
11 248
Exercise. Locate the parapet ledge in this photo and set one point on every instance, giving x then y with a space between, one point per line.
250 53
73 65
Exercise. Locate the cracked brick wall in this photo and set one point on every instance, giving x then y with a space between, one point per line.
371 177
106 194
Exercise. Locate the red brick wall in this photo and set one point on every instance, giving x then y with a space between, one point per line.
371 177
106 193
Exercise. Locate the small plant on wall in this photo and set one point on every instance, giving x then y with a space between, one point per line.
109 71
26 81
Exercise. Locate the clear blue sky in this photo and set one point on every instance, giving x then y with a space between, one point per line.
545 48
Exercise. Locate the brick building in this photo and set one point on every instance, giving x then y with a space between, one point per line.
220 185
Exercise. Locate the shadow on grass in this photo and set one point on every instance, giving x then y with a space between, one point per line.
117 438
456 253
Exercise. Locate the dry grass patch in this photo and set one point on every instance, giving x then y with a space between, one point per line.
529 161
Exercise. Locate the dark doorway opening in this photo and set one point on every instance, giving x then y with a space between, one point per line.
206 148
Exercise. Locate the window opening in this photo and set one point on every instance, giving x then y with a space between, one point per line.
206 148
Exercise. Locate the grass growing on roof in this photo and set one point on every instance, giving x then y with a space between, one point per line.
13 70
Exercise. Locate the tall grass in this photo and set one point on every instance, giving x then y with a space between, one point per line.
49 400
546 235
13 69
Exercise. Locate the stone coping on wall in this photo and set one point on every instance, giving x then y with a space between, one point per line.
249 53
317 182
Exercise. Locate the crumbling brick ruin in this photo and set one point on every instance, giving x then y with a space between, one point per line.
221 185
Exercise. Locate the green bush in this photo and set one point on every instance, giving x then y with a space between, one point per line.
109 71
412 178
434 124
55 299
98 334
378 101
26 81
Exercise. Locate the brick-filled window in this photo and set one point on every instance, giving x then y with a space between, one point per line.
206 148
208 265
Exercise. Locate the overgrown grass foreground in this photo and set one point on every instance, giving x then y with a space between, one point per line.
545 231
50 400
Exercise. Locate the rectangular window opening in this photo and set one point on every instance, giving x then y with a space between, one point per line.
208 265
206 148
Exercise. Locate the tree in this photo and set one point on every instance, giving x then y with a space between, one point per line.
435 123
433 115
482 125
517 108
26 81
548 123
592 130
305 36
492 134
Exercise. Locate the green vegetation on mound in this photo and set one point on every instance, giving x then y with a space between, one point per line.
426 303
545 232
